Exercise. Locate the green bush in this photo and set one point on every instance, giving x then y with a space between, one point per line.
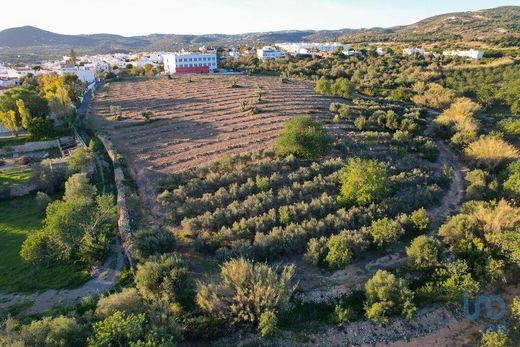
363 182
420 219
267 326
246 291
424 252
146 243
163 278
117 330
52 332
304 138
385 232
387 295
339 254
494 339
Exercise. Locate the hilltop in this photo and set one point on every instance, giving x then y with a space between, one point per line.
491 25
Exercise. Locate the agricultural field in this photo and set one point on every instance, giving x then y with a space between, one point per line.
196 119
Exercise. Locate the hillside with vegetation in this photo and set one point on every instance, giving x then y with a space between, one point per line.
494 27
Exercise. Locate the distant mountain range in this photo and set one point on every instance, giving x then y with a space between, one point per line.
32 44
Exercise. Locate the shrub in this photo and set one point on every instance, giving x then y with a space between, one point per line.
451 282
494 339
161 278
360 123
363 182
433 95
385 232
491 152
420 219
424 252
339 254
342 314
512 179
323 86
117 330
247 290
515 312
304 138
510 126
479 185
317 250
146 243
127 301
267 326
387 295
460 115
59 331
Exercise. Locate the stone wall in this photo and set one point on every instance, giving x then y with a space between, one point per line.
123 221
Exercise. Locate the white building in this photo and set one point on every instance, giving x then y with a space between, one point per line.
473 54
84 74
185 62
268 52
295 48
411 51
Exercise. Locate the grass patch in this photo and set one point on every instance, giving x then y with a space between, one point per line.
15 175
18 218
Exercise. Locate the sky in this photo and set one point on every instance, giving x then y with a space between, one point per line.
138 17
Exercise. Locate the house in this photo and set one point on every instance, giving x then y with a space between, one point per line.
19 72
268 52
412 51
311 48
84 74
185 62
473 54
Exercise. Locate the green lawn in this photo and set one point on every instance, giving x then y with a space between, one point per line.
18 217
15 175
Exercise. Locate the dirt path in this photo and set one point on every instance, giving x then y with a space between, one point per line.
103 281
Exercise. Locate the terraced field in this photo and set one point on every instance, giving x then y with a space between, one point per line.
197 119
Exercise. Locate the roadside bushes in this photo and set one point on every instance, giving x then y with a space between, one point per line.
460 117
162 278
490 152
247 292
127 301
424 252
304 138
147 243
387 295
59 331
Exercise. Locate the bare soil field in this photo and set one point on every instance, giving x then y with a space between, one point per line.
197 119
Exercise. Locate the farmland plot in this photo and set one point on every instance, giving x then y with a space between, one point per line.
196 119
